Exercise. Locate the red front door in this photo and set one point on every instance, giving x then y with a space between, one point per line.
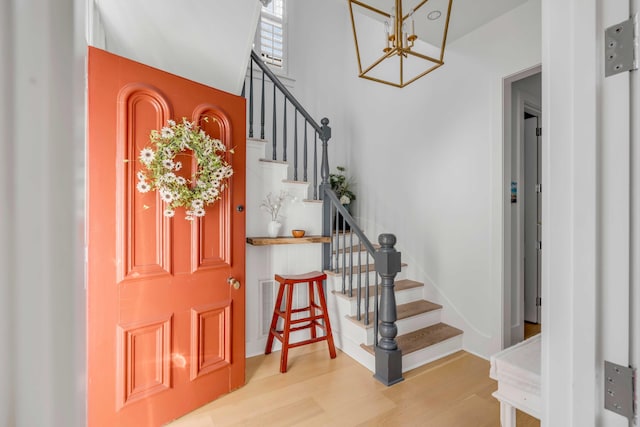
165 329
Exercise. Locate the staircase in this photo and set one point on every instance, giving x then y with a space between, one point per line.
355 289
422 337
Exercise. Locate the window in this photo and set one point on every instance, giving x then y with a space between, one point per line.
270 35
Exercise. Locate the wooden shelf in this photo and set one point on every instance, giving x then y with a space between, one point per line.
264 241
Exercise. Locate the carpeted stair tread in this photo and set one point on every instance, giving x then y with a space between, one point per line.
400 285
422 338
405 311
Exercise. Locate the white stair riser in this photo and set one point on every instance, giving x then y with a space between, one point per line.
360 355
334 282
409 361
297 189
349 307
431 353
358 333
346 258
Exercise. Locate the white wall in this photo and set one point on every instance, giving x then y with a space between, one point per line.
586 213
41 293
320 35
427 158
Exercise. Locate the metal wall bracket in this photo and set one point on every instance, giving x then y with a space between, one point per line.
618 389
621 47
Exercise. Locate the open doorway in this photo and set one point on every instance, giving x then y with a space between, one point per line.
523 188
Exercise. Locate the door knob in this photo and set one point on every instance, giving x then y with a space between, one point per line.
232 281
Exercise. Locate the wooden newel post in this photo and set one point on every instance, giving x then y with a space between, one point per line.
388 355
325 135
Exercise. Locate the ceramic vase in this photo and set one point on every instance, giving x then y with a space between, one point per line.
274 228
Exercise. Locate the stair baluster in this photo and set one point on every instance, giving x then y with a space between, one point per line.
315 165
251 101
295 147
344 259
351 271
284 133
262 110
366 295
359 283
274 140
304 157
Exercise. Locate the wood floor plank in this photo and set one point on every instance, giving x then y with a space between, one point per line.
531 329
319 391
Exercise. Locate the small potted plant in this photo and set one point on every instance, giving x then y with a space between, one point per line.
342 185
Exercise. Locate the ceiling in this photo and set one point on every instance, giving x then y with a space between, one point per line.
467 15
168 35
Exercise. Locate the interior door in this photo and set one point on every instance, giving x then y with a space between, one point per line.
165 329
532 220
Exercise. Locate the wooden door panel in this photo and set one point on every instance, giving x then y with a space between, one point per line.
209 241
210 338
144 233
143 364
211 249
166 331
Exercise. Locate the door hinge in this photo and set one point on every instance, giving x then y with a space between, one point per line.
621 47
619 382
538 188
538 131
538 302
539 245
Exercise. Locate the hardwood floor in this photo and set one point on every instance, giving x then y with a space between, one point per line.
531 329
319 391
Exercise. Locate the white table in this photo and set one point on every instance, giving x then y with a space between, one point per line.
517 370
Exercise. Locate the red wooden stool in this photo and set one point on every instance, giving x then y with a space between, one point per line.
316 313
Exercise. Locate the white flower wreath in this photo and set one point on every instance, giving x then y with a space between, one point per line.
206 184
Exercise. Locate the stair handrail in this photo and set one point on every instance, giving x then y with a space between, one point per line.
322 131
351 221
292 99
387 264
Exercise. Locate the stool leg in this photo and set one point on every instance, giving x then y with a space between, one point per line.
274 319
312 309
325 316
287 330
